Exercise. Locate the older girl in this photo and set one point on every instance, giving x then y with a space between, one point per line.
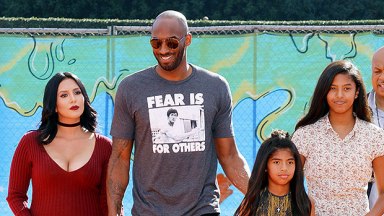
339 146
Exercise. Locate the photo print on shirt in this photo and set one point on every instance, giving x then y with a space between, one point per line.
177 127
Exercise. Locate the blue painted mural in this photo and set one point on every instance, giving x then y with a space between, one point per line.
271 77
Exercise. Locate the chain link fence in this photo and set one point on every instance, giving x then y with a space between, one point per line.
271 69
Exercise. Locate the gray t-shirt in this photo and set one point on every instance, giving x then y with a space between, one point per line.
173 125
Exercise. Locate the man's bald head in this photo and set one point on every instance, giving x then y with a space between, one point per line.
171 14
378 73
378 54
378 60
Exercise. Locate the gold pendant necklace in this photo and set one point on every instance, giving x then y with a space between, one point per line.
279 204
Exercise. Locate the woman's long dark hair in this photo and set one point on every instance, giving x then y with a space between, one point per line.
49 117
319 106
301 205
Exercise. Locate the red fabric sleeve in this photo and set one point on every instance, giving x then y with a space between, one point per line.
19 178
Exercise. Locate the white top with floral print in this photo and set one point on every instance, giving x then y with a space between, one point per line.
338 170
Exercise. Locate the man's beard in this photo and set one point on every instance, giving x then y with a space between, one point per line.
175 64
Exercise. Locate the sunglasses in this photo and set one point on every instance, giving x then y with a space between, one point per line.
172 43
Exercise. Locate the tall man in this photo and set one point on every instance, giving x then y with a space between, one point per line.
376 102
174 178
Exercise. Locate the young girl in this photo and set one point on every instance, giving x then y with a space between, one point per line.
276 186
338 145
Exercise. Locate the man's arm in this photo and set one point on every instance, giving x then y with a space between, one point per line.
378 208
118 174
233 163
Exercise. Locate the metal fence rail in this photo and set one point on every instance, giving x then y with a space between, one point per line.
56 31
208 30
246 29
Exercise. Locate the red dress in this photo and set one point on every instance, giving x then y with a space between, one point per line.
54 190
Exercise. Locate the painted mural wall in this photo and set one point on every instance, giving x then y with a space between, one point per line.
271 76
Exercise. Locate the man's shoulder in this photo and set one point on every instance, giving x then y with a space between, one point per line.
144 72
138 75
204 71
207 74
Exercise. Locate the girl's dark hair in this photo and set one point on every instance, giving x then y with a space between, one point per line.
301 205
319 106
49 117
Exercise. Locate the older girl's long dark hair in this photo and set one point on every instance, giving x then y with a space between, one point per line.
301 205
49 118
319 105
